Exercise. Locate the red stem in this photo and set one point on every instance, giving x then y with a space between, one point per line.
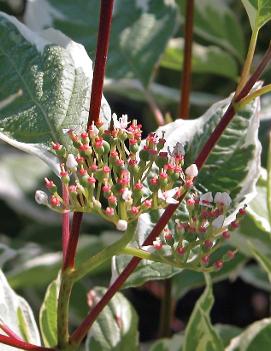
71 250
100 60
106 12
22 344
82 330
9 332
187 62
65 223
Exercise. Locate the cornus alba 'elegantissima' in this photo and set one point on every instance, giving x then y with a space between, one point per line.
111 174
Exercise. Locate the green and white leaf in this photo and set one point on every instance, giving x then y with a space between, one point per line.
255 337
254 275
216 22
205 59
199 333
41 268
263 260
258 11
116 327
16 314
234 162
139 35
258 207
52 76
172 344
20 176
48 314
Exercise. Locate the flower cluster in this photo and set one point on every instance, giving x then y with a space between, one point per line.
110 173
196 240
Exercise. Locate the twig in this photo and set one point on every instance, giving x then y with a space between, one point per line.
187 62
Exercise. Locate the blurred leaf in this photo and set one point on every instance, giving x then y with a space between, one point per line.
17 314
20 176
116 326
48 314
40 270
173 344
206 59
268 195
199 330
133 89
258 208
255 276
53 86
227 332
216 22
259 12
255 338
140 31
264 261
188 280
247 235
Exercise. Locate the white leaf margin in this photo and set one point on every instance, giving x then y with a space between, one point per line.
9 304
184 130
81 61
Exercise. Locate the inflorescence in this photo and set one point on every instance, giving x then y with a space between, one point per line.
194 242
110 173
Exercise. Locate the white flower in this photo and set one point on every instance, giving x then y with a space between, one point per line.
205 199
122 225
168 196
192 171
178 150
218 222
223 198
127 195
41 197
71 162
120 123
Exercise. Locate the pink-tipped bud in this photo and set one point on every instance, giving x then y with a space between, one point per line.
190 202
181 250
110 211
93 167
205 259
189 183
56 146
231 254
112 200
106 169
49 183
98 143
106 188
147 203
54 201
91 180
226 234
234 225
154 181
218 264
138 186
208 244
242 211
157 244
134 210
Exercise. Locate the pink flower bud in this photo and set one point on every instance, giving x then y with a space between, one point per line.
181 250
147 203
205 259
218 264
134 210
226 234
110 211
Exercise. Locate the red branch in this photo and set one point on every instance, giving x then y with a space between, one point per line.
100 60
82 330
21 344
65 223
187 62
106 12
71 250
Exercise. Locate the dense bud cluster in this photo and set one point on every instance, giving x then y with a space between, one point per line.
110 173
195 240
